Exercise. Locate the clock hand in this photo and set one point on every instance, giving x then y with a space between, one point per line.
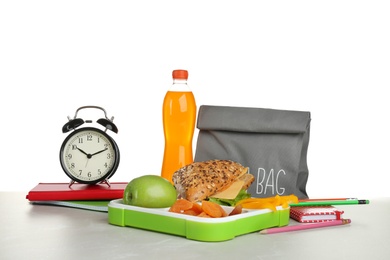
87 154
82 151
99 152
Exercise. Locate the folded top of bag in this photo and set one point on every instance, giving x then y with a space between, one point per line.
249 119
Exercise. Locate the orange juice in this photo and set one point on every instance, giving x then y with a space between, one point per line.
179 114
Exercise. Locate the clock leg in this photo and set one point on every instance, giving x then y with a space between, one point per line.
106 182
71 183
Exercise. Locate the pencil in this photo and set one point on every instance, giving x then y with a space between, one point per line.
305 226
329 202
327 199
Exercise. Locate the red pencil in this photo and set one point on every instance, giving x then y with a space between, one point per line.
305 226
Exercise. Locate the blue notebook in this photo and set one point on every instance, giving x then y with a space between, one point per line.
95 205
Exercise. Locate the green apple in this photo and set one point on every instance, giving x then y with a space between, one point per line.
150 191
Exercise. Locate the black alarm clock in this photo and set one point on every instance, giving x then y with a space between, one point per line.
89 155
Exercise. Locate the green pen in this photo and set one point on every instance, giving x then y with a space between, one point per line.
329 202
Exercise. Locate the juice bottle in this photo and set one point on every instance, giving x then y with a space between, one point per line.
179 114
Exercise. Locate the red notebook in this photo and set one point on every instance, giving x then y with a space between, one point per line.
78 191
312 214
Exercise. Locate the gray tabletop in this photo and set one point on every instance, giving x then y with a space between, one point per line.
52 232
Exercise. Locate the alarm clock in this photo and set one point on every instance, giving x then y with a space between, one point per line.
89 155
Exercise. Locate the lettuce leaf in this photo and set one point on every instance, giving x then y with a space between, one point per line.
231 202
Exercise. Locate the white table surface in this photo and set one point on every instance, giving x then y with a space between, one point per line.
50 232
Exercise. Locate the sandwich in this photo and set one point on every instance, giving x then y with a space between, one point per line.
222 181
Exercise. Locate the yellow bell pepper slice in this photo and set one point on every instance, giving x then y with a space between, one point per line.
269 202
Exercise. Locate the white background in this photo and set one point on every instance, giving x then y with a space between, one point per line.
331 58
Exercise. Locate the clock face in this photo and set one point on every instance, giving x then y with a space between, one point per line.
89 155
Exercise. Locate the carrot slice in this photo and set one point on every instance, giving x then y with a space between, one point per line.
197 208
190 212
237 210
224 213
181 205
204 215
212 209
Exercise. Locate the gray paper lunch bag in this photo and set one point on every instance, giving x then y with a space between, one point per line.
272 143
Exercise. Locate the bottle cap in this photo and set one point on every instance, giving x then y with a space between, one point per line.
180 74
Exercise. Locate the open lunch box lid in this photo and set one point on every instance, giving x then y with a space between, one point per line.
193 227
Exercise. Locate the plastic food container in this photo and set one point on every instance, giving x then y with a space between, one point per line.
196 228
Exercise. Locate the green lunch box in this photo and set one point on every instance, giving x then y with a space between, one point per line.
193 227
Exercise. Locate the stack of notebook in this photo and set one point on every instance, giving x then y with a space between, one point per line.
320 210
92 197
311 214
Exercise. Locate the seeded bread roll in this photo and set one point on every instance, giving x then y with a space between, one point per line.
200 180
